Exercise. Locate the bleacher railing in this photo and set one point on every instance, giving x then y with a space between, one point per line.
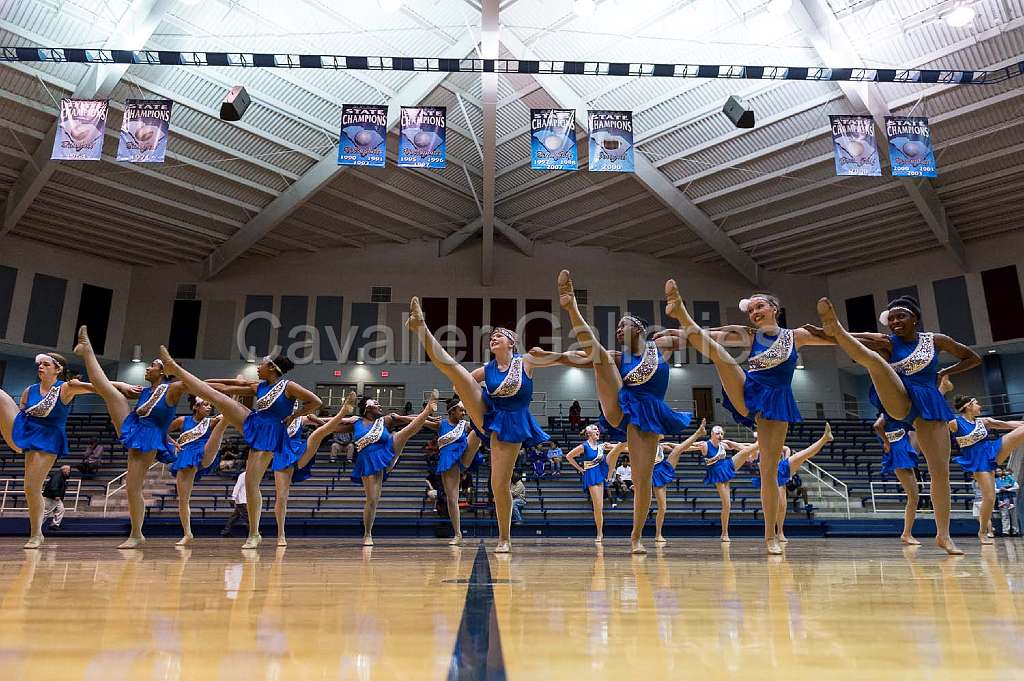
122 478
14 493
830 482
924 490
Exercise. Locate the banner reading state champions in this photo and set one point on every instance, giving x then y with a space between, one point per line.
80 130
421 144
363 135
910 147
853 142
144 129
611 141
553 139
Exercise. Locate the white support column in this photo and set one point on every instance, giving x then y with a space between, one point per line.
832 44
131 32
489 28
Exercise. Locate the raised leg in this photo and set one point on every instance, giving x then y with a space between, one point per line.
661 497
726 499
933 439
771 436
400 438
232 410
138 466
212 446
8 410
503 461
255 468
642 448
909 483
450 479
1010 442
184 480
597 502
372 488
798 459
37 467
730 373
472 447
317 437
606 374
465 385
117 403
282 485
887 384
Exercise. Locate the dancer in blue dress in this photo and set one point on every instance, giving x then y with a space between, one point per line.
631 387
197 447
760 396
264 427
979 455
720 468
899 458
596 455
500 411
664 473
458 446
377 448
37 428
907 386
142 429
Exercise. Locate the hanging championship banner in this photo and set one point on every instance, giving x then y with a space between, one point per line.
363 135
80 130
611 141
144 130
853 142
553 139
910 147
421 143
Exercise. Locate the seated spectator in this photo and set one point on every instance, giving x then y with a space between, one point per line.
466 489
434 493
230 461
1006 503
54 488
518 498
554 454
92 459
622 483
795 490
342 448
537 458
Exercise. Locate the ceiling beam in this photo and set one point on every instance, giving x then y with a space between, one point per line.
489 28
130 32
649 176
822 28
323 172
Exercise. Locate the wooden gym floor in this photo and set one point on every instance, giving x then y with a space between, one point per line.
555 609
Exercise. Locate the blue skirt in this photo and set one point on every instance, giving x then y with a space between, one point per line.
775 403
288 454
926 403
901 455
372 460
518 426
451 456
647 413
721 471
980 457
263 434
755 482
664 473
191 456
783 474
598 475
145 436
300 474
32 436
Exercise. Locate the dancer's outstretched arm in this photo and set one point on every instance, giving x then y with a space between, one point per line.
540 357
311 403
340 421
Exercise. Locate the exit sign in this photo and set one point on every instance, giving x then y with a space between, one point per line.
337 374
385 374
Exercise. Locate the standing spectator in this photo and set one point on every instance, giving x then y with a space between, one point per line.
575 415
89 467
240 513
1006 502
53 495
518 498
407 409
623 482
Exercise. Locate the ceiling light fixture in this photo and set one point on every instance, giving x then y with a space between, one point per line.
779 6
961 15
390 5
583 8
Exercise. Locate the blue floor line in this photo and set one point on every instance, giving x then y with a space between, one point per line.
477 655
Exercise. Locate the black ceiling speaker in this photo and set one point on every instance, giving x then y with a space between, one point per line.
739 112
235 103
